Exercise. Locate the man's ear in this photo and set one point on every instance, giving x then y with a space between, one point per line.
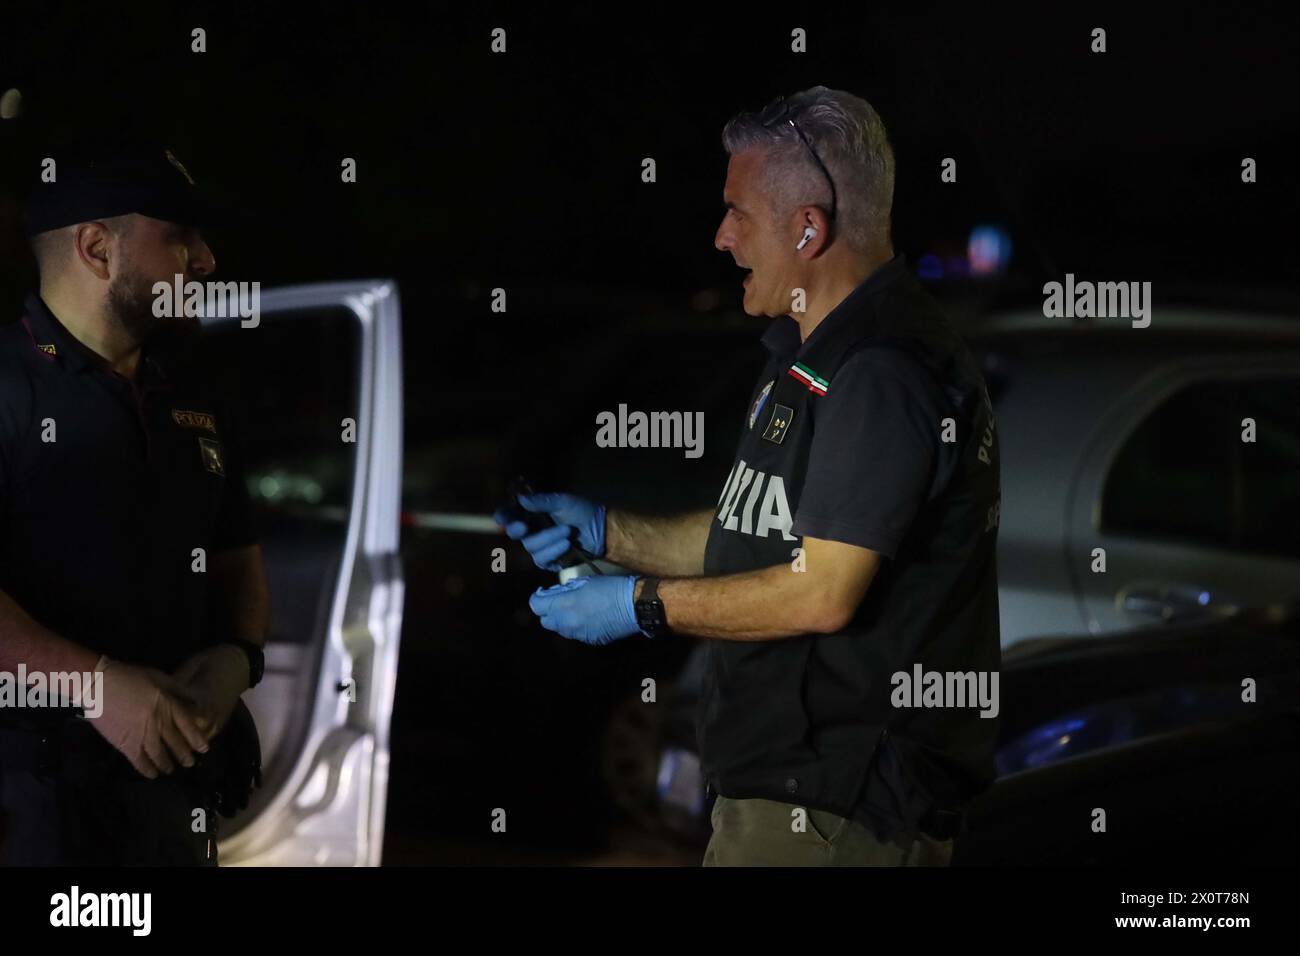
808 217
94 244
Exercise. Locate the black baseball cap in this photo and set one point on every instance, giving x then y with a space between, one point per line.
114 179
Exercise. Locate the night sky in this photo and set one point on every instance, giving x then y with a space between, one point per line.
522 170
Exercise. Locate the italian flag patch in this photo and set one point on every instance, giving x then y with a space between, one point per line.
816 384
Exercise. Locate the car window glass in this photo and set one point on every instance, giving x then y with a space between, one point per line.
291 382
1270 500
1188 474
1173 478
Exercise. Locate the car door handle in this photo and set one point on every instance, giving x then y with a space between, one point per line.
1170 600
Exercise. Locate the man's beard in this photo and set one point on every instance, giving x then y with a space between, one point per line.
130 305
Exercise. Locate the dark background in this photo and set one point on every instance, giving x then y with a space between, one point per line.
523 171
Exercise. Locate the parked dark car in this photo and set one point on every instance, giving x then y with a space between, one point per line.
1186 736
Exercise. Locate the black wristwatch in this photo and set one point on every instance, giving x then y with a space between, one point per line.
256 660
650 610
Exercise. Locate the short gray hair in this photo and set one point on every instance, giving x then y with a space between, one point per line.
850 139
52 249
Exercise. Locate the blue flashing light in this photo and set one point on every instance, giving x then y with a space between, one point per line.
988 250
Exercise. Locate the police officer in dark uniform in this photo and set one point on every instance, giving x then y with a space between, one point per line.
850 557
127 545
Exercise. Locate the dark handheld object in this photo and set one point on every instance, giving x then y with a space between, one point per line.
514 511
537 521
232 768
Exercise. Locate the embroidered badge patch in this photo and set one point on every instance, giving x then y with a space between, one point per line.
758 402
210 452
782 416
48 349
188 419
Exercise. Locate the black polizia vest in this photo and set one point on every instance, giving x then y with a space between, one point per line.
800 719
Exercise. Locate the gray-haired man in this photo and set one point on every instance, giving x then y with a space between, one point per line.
853 540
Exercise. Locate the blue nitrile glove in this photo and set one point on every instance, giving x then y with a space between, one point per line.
570 514
594 610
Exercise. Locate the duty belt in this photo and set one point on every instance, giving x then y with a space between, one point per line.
48 741
51 743
944 824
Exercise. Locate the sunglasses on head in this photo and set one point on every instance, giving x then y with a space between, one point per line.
782 111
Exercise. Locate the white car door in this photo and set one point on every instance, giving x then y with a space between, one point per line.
316 385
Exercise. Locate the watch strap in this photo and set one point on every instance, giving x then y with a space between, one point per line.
256 659
650 615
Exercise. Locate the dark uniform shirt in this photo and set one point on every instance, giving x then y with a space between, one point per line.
844 441
107 487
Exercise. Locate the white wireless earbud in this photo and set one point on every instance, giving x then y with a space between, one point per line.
808 233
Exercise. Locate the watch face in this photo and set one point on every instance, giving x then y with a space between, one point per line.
650 616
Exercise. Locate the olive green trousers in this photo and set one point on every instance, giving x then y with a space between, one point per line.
755 832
